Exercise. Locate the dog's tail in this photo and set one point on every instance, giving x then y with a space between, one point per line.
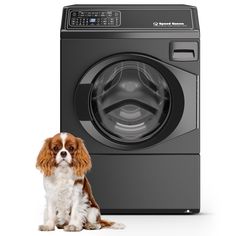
111 224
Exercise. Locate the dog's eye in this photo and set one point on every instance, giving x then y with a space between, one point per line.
71 148
56 149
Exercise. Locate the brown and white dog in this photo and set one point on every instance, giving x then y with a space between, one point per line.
64 161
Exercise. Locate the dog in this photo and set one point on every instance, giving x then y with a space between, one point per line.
70 204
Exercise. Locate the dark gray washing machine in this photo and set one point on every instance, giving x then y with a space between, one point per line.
130 90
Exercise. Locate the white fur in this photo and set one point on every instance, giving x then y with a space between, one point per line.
63 138
117 226
62 197
93 213
67 160
79 207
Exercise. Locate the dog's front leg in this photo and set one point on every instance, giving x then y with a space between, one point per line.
49 216
78 210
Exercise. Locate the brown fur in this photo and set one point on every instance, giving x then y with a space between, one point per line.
105 223
87 188
81 161
79 181
46 161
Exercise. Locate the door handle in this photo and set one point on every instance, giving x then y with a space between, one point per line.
184 51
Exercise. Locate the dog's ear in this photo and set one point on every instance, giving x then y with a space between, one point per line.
46 161
81 160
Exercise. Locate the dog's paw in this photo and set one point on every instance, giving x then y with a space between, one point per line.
61 226
72 228
46 228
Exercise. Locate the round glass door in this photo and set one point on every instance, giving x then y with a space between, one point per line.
130 101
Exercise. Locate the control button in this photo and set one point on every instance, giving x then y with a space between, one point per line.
92 20
95 18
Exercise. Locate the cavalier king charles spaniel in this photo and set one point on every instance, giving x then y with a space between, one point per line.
64 161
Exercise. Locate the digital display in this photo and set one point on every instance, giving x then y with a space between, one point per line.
92 20
95 18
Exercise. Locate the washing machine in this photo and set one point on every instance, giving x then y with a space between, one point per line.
130 89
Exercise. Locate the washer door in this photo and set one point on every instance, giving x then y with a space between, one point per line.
133 101
130 101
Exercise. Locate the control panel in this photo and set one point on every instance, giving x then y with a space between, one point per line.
96 18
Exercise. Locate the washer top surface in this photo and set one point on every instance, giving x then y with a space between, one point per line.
129 18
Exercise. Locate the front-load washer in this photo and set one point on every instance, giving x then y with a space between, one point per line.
130 90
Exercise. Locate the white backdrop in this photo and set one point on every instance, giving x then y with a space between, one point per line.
29 106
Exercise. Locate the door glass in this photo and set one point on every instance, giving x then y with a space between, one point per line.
130 101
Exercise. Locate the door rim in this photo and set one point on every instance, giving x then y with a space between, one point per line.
175 113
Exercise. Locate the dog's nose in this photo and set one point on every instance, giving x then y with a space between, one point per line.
63 154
